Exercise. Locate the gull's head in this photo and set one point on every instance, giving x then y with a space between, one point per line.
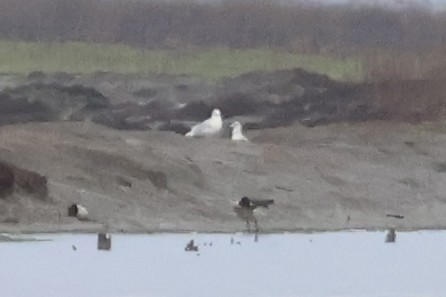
216 113
235 124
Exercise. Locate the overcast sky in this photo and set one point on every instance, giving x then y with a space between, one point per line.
435 4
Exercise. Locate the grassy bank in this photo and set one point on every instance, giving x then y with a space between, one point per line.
212 64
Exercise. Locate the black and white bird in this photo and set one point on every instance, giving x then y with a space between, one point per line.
79 211
247 209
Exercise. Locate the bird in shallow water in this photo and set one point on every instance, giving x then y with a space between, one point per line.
191 247
246 209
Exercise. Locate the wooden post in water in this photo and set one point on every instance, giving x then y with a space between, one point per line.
391 235
104 241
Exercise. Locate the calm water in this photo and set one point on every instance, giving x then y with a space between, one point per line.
324 264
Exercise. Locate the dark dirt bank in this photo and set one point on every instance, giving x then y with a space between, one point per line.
369 155
261 99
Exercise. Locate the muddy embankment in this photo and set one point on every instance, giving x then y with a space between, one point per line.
333 155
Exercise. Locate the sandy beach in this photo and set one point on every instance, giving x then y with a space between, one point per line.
332 177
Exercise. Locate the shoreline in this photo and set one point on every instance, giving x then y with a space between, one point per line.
26 231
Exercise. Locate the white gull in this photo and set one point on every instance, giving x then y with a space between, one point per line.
209 127
237 133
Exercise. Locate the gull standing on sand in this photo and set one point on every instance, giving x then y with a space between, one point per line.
237 133
209 127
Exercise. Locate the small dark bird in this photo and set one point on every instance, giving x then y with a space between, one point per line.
74 247
247 208
191 247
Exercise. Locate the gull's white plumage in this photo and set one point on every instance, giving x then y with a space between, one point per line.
209 127
237 132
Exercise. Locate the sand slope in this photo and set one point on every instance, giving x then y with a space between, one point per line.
330 177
